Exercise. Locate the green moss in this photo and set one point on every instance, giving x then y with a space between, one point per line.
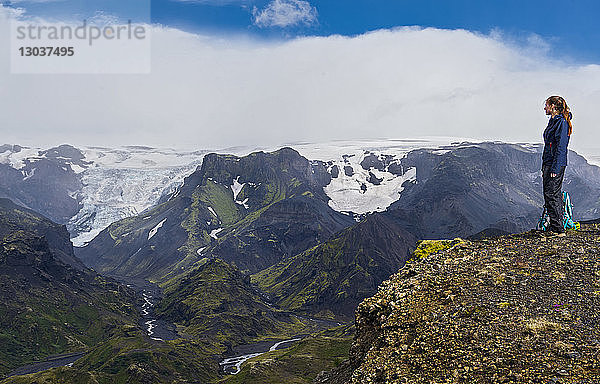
429 247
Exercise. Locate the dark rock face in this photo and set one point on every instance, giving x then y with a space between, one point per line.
46 184
286 228
335 172
348 171
125 249
374 179
14 218
476 186
381 163
336 275
278 209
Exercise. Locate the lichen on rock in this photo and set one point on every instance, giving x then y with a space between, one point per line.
516 309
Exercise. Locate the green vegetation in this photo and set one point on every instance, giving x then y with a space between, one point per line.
330 279
499 310
132 358
48 308
429 247
216 302
298 364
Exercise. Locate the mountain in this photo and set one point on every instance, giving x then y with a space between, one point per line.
250 211
14 218
42 180
463 189
334 276
49 307
217 302
89 188
92 187
520 308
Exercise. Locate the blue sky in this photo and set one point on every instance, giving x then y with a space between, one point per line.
242 76
569 27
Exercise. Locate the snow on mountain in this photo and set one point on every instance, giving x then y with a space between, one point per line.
366 174
236 187
154 230
124 182
354 194
117 183
15 156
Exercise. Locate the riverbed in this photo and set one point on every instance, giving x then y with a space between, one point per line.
233 365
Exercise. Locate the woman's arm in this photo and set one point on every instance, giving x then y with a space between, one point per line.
561 138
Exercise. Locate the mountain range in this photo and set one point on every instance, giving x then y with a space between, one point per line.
257 245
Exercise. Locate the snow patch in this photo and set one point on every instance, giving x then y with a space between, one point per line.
155 229
236 187
355 194
28 175
76 168
199 251
17 160
213 212
214 233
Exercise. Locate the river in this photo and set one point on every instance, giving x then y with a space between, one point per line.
151 294
233 365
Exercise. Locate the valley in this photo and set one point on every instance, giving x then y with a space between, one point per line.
248 266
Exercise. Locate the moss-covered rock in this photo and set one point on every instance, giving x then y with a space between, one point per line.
517 309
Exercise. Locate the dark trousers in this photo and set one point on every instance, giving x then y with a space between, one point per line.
553 198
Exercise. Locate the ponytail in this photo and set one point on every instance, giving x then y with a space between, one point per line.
562 108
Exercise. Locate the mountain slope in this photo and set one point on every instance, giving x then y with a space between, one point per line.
463 189
14 217
48 307
520 309
248 211
88 188
216 302
333 277
42 180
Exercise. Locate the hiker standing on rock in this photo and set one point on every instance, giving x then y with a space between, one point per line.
554 159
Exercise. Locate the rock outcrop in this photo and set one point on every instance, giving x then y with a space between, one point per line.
516 309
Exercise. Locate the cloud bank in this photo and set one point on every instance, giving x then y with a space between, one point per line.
208 91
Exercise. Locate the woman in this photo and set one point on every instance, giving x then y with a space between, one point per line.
554 160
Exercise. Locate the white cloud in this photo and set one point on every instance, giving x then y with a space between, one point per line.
285 13
212 92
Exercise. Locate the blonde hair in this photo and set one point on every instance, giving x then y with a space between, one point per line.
562 108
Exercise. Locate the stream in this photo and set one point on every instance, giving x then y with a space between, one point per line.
233 365
156 329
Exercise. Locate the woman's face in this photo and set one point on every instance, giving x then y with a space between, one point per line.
549 109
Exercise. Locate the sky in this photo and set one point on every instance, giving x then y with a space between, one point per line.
246 72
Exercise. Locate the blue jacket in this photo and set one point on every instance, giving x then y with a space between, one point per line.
556 140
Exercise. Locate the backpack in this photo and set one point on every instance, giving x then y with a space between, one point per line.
568 222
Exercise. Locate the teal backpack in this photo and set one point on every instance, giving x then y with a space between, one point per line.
568 222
